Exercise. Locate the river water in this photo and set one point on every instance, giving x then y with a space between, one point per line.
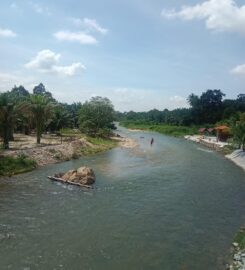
174 205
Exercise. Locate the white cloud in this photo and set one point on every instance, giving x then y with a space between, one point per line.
46 61
71 70
89 25
93 25
81 37
7 33
240 70
219 15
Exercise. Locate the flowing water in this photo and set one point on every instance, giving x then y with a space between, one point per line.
174 205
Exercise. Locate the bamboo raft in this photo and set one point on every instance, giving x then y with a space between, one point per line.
68 182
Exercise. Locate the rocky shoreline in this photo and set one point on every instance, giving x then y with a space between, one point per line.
238 252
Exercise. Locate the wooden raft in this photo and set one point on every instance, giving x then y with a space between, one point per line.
68 182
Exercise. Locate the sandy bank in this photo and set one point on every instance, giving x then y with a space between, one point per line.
53 151
126 142
50 154
135 130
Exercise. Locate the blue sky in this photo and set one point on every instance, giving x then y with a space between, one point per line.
140 54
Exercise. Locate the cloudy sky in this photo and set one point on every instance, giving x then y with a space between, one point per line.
141 54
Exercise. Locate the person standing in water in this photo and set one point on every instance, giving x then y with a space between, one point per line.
152 141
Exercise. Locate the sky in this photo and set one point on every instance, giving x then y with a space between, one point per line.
140 54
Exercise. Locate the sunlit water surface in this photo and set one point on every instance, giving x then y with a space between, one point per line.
174 205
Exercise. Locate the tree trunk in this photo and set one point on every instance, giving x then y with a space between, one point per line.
243 143
39 133
5 139
11 134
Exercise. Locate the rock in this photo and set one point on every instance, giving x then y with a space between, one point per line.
235 244
67 176
82 175
237 257
86 175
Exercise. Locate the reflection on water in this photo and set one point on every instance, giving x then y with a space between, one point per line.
169 206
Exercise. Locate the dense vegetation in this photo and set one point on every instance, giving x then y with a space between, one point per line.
21 111
207 110
15 165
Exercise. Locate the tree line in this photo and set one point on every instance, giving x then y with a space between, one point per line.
39 111
207 110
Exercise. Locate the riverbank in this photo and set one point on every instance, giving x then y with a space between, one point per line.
176 131
238 252
26 155
237 156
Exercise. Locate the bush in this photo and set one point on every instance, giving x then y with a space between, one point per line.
14 165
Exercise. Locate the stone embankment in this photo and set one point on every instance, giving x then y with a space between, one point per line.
238 254
208 141
238 156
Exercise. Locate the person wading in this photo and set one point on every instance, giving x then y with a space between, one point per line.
152 141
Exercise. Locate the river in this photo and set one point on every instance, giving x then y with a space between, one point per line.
173 205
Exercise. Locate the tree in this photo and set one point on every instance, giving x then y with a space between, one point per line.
208 107
211 103
238 131
19 92
41 91
7 117
40 108
96 116
61 118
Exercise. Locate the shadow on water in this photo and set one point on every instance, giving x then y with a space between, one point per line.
171 205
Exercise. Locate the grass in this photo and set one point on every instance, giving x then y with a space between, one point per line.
15 165
99 145
240 238
176 131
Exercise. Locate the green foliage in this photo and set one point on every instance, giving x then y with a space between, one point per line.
240 238
176 131
96 116
238 131
61 118
208 107
40 108
70 131
14 165
99 145
8 116
40 90
19 93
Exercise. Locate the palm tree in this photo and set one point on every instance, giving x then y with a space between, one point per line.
40 108
7 118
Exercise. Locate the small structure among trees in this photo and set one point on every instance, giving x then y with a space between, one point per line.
223 133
